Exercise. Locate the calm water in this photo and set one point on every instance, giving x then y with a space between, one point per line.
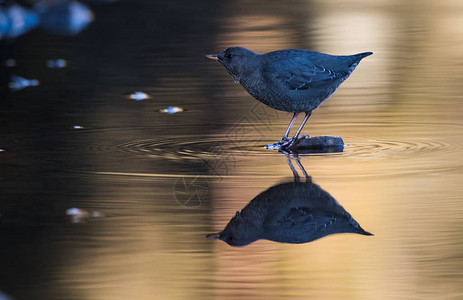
158 183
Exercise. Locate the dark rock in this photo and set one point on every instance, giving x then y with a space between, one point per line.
321 142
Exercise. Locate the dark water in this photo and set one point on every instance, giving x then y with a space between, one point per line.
158 183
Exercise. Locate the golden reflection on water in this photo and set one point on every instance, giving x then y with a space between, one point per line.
409 200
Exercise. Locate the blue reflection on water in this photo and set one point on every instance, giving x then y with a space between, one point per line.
65 18
16 20
61 17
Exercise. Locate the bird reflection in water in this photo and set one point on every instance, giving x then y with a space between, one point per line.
291 212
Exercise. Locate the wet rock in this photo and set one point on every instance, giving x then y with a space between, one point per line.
316 144
321 142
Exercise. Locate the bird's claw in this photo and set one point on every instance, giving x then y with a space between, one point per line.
292 142
286 144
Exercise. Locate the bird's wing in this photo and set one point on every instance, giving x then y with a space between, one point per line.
300 225
307 219
300 74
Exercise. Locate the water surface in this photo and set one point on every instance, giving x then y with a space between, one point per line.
160 182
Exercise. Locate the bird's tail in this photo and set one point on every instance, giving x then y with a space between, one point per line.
357 59
360 230
362 55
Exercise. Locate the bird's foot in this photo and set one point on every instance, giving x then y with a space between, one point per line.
286 144
292 142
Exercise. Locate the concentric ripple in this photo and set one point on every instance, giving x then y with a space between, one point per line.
192 147
214 147
400 148
219 146
421 153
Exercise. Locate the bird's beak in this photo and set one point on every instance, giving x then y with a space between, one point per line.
212 56
213 236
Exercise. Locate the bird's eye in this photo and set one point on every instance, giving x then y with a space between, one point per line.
228 56
230 238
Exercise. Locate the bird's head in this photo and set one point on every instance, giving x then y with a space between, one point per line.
240 231
237 60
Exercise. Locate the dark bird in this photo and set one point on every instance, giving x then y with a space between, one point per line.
292 80
292 212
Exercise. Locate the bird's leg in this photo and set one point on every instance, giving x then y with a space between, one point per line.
296 176
287 143
285 137
298 162
296 138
